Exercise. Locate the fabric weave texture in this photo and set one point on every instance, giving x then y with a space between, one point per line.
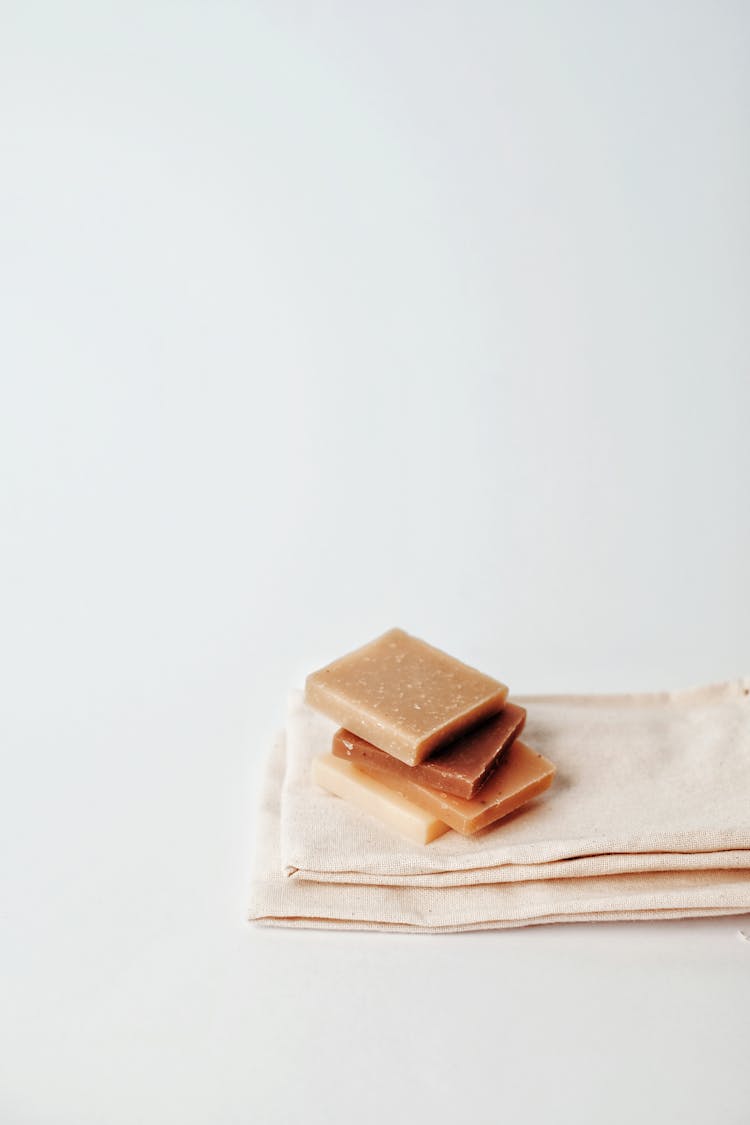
648 817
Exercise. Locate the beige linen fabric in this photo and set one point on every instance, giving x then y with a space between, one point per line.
649 817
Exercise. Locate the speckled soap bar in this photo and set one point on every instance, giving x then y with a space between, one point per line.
404 696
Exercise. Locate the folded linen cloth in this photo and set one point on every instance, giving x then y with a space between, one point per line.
649 817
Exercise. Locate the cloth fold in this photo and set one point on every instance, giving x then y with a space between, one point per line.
649 817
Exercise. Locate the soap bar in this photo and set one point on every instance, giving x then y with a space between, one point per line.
369 794
404 696
522 774
461 768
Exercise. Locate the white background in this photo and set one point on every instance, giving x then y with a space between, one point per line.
319 318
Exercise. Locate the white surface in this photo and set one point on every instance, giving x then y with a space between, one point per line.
317 319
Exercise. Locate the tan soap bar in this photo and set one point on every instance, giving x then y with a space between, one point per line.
461 768
404 696
522 775
369 794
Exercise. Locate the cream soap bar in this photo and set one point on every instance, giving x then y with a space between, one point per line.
404 696
392 809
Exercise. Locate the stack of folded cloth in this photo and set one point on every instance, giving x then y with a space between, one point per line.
648 817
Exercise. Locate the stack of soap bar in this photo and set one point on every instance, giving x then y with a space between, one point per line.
426 742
